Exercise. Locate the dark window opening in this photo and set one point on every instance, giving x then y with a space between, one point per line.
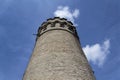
52 24
71 28
44 28
62 25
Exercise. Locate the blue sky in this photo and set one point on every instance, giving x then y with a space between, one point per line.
97 23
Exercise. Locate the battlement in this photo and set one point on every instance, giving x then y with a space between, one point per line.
57 23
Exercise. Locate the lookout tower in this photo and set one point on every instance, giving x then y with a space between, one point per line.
57 54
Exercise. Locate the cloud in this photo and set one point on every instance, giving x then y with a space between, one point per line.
97 53
65 12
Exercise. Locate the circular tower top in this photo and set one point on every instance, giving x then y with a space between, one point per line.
57 23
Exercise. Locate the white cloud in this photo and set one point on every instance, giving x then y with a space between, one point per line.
97 53
65 12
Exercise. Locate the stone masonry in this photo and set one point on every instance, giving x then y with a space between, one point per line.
57 54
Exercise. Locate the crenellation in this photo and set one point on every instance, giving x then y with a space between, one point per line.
57 23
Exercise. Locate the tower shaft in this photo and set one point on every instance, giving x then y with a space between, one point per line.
57 54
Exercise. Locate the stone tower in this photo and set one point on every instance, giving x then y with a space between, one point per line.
57 54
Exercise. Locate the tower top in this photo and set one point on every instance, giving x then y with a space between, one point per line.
57 23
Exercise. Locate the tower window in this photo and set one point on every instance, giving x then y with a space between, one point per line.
71 28
62 25
52 24
44 28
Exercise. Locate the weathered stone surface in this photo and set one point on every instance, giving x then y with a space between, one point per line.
58 56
